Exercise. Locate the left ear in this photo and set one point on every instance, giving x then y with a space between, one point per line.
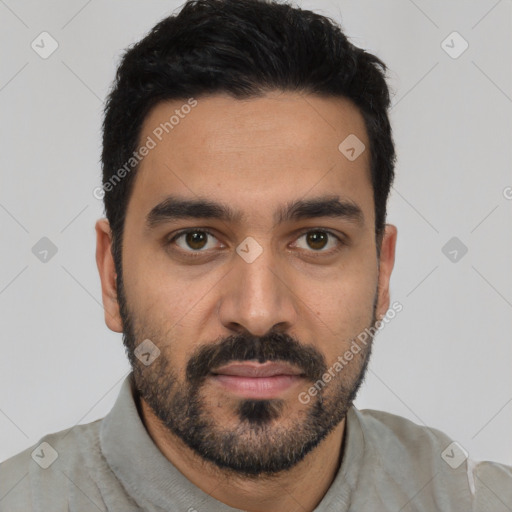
386 263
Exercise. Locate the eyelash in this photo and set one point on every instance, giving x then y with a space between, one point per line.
195 254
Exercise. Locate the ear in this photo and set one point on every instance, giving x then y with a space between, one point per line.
106 268
386 263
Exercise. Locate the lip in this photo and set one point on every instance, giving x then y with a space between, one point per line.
256 380
253 369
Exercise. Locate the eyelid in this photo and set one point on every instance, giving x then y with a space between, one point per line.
340 239
303 231
170 239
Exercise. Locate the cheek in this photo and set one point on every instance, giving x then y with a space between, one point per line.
346 298
341 311
154 281
166 310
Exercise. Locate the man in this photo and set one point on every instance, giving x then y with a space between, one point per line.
247 159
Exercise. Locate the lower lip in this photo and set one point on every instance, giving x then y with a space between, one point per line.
257 387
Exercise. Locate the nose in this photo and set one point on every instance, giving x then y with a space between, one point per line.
258 297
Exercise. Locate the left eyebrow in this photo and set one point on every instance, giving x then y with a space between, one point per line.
176 208
327 206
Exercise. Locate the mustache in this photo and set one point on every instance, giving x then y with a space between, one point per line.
245 347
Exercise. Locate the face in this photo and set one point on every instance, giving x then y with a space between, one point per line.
249 261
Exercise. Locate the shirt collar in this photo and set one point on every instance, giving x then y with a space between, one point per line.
153 481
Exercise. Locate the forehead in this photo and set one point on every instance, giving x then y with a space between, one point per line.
254 152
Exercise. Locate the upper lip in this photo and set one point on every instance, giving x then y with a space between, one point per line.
253 369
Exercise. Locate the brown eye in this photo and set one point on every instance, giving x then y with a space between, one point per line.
196 239
320 241
317 239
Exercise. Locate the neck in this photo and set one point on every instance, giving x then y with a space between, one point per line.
305 484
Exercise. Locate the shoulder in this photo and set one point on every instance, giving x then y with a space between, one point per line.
422 459
58 461
393 432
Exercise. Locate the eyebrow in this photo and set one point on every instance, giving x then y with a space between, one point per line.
176 208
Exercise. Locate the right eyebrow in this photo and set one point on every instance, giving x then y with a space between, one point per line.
175 208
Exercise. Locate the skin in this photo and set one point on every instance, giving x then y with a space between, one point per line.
255 155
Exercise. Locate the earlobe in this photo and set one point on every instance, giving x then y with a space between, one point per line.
108 275
386 264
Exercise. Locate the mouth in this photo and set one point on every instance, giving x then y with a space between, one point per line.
250 379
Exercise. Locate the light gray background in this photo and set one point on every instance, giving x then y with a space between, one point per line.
445 360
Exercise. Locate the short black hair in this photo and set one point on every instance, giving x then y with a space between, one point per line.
244 48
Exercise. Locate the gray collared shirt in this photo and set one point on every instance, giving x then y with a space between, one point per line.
112 464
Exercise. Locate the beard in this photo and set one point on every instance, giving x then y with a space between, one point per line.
262 438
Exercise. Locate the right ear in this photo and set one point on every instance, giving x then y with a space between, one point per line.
108 276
